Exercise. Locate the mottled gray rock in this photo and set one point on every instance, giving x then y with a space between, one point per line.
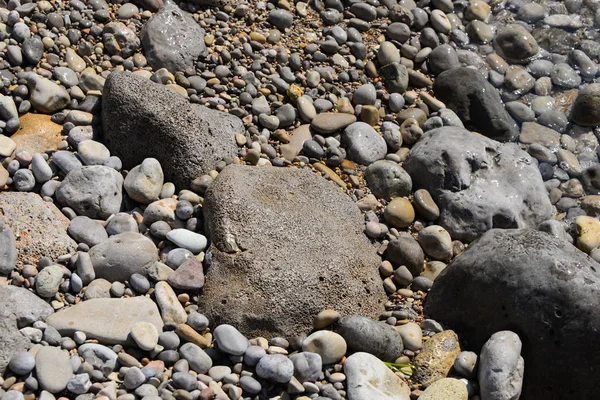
39 225
387 179
466 92
18 308
501 367
108 320
172 39
288 211
367 377
275 367
363 144
369 336
93 191
500 270
120 40
307 366
142 119
123 255
48 280
456 166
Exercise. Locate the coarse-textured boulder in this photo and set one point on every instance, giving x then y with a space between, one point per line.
586 108
478 183
172 39
18 308
286 244
466 92
142 119
40 229
540 287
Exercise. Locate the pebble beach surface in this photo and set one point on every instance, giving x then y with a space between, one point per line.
339 199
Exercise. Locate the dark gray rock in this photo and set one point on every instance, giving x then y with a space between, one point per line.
292 247
456 167
387 179
395 76
586 108
466 92
93 191
443 58
405 250
123 255
172 39
483 292
515 44
39 225
142 119
369 336
33 49
8 250
18 308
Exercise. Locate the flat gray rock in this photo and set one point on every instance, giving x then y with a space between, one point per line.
39 227
172 39
478 183
18 308
53 369
286 244
108 320
142 119
483 291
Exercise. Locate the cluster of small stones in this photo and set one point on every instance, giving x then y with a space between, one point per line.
296 75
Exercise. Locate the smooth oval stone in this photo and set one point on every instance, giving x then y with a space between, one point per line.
329 345
328 123
145 335
230 340
187 239
53 369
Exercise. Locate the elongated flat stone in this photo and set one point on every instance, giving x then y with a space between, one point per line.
108 320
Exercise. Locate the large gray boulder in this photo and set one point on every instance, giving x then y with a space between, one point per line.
538 286
172 39
142 119
18 308
286 244
478 183
466 92
40 229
